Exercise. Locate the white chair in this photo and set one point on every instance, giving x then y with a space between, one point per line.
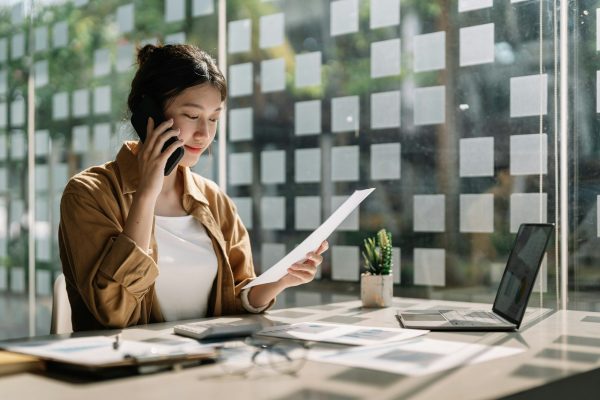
61 308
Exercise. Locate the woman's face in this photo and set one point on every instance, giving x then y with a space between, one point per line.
195 112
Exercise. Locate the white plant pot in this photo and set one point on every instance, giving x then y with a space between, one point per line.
376 290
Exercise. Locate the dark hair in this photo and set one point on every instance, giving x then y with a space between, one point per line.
166 71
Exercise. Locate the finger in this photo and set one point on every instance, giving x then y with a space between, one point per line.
312 269
170 150
303 276
155 133
323 247
314 258
162 139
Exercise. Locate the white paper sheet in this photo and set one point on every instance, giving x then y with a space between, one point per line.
313 241
341 333
414 357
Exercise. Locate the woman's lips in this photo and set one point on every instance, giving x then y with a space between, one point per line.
193 150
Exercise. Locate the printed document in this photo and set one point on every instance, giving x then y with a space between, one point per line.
313 241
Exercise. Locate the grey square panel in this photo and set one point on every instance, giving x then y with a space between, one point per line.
240 168
40 73
529 154
81 102
272 212
3 82
17 46
241 124
125 18
125 56
41 38
396 264
3 49
385 161
430 267
239 35
202 7
430 105
272 75
175 38
344 163
476 157
351 223
307 120
17 279
3 115
385 58
591 318
60 34
244 210
17 145
429 213
385 110
345 113
272 28
270 254
476 45
529 95
174 10
469 5
527 207
597 212
17 112
541 373
308 69
41 183
60 105
101 62
42 142
477 213
384 13
80 139
241 79
343 17
307 165
101 137
345 263
43 277
307 212
568 355
430 51
579 340
272 166
102 100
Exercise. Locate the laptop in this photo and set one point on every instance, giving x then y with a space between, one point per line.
513 293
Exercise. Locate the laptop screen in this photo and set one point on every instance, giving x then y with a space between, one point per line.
521 271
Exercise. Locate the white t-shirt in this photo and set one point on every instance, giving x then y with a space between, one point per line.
187 266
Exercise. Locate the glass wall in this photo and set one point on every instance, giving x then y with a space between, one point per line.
448 108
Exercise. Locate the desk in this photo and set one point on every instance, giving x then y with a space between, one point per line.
562 352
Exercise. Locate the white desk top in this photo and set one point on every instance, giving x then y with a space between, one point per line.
557 345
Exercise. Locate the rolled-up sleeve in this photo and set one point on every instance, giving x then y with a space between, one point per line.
111 273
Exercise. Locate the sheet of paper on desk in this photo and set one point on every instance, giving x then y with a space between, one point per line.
313 241
340 333
415 357
98 350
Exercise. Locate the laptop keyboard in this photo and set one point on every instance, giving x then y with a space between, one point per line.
472 318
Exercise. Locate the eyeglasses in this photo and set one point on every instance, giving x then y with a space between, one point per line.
286 357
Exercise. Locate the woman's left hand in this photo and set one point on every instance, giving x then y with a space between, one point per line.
305 271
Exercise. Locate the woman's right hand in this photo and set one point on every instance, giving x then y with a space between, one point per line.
151 162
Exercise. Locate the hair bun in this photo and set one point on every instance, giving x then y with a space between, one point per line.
145 53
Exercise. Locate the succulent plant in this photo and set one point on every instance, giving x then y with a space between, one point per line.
377 253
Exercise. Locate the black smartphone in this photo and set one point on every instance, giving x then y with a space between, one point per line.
139 119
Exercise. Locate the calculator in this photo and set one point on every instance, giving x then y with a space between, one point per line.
217 330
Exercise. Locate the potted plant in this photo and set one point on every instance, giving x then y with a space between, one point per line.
377 283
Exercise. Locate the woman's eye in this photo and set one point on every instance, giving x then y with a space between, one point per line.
191 116
214 120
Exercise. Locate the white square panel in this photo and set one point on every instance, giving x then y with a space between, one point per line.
476 157
3 82
17 279
272 75
476 45
60 105
308 69
430 51
527 208
541 282
43 277
202 7
3 115
345 113
81 139
343 17
17 112
430 105
101 137
307 212
477 213
529 154
81 103
174 10
352 222
125 18
430 267
396 263
17 145
272 166
272 213
344 163
125 54
40 73
175 38
41 182
529 95
345 263
101 62
244 210
385 110
42 142
307 165
272 28
307 117
60 34
385 161
17 46
241 124
384 13
239 35
469 5
270 254
3 49
102 100
240 168
429 213
385 58
41 38
241 81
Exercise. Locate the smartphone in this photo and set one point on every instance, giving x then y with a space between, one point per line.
139 119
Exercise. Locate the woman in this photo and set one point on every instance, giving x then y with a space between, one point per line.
124 221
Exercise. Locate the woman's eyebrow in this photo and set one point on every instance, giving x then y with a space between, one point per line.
199 106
